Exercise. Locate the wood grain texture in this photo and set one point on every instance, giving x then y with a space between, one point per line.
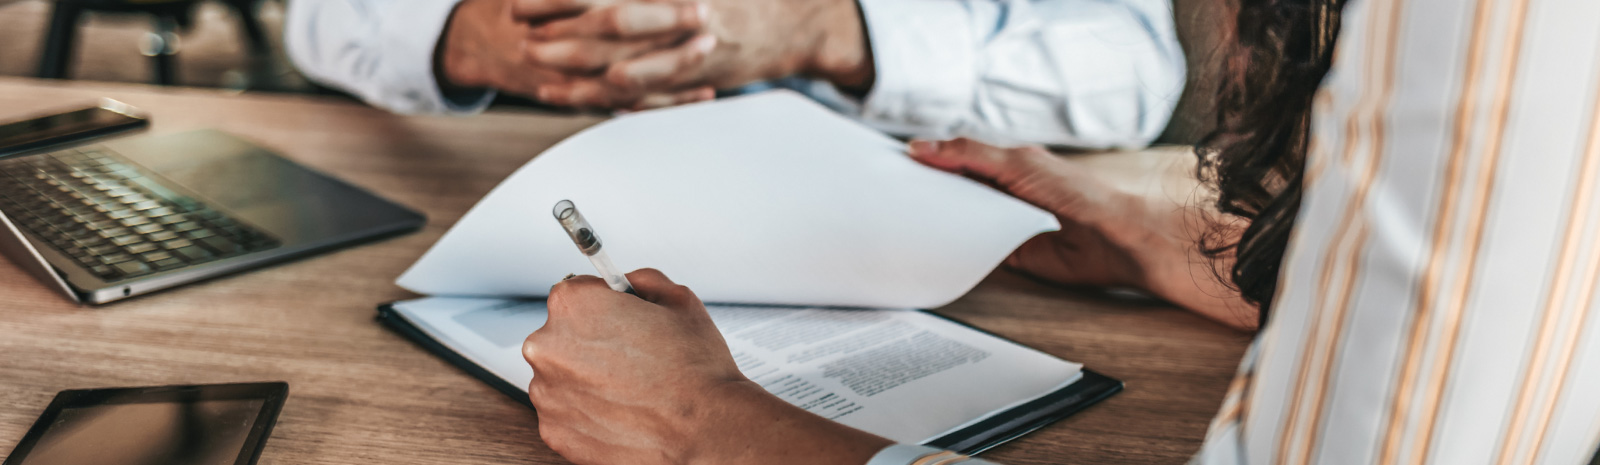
360 394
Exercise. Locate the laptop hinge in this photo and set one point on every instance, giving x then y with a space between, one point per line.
16 247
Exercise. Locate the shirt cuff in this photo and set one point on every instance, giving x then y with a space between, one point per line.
907 454
415 29
923 57
901 454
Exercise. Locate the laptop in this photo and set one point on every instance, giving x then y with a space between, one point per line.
104 218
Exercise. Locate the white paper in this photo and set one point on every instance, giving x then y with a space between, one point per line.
901 374
768 198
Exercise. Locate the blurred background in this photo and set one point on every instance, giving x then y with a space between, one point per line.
230 44
238 45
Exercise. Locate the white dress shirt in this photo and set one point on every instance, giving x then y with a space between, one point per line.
1079 73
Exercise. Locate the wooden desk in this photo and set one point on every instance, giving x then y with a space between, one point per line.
362 395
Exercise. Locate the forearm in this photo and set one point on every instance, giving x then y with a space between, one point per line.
756 427
1201 284
753 426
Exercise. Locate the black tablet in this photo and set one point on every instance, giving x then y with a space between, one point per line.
218 424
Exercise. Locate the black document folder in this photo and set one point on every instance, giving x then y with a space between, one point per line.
1019 420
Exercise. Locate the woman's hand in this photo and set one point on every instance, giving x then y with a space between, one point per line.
621 380
1110 236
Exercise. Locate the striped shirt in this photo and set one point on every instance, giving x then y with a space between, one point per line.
1438 302
1438 297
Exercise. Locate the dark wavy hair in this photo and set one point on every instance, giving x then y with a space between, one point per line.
1273 58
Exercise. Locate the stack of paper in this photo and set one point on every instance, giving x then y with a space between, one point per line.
767 199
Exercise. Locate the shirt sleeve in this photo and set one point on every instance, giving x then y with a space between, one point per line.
1078 73
907 454
1440 299
379 50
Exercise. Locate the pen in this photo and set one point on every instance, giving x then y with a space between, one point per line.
583 235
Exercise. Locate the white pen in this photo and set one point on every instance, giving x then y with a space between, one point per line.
583 235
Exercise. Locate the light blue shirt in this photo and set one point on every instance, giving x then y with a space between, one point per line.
1078 73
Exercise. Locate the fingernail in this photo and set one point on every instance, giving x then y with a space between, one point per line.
545 93
923 148
702 12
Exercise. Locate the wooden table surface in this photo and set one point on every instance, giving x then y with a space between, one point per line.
360 394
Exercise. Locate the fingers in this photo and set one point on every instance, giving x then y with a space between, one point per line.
1000 166
966 157
664 100
526 80
538 10
664 69
596 93
649 81
586 93
589 55
628 21
1030 174
654 286
531 351
572 292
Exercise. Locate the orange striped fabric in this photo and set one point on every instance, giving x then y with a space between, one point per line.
1438 302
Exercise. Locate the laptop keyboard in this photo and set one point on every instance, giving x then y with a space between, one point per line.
116 222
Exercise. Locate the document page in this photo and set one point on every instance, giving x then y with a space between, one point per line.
902 374
763 199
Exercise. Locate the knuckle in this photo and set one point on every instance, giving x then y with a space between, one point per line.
558 294
586 61
613 21
959 145
538 392
565 441
554 434
681 292
691 58
532 349
687 15
1028 156
621 76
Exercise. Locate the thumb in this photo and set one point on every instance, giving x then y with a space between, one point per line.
654 286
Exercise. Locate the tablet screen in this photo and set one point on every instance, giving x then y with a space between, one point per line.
187 428
208 432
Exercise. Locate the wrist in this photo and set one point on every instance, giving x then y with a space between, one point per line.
748 425
453 67
1177 269
1141 229
842 54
